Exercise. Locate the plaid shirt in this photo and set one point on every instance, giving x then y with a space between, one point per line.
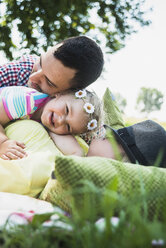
17 72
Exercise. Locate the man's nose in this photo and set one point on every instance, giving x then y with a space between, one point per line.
36 74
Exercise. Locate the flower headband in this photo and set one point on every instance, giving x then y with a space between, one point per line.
89 108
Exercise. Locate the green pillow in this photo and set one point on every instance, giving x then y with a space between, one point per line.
71 170
112 115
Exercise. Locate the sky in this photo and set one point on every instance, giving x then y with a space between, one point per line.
141 63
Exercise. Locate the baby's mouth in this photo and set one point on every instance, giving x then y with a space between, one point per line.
52 119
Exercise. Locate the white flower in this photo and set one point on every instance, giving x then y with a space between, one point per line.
89 108
92 124
80 94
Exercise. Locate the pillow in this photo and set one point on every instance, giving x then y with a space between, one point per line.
33 134
29 175
112 114
26 176
71 170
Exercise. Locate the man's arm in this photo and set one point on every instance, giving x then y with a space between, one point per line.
67 144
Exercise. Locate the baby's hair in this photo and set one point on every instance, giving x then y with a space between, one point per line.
92 98
96 102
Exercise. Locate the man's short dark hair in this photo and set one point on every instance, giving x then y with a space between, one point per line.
85 56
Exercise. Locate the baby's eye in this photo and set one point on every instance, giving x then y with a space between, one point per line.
68 128
67 110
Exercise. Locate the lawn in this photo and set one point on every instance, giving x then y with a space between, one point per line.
89 228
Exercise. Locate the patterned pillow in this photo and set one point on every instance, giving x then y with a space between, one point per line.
112 115
71 170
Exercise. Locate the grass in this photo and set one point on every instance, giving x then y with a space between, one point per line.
89 227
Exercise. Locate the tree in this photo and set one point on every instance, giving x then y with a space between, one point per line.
40 23
121 101
149 100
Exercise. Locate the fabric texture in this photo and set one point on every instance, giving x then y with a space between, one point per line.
89 136
71 170
29 175
26 176
21 102
17 72
112 115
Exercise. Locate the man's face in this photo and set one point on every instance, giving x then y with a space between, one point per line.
50 75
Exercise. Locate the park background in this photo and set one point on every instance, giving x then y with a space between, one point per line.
141 63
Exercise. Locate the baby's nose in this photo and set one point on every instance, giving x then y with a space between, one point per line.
61 119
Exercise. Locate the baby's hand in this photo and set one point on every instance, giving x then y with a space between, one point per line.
11 149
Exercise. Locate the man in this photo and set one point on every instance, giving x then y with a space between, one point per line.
73 63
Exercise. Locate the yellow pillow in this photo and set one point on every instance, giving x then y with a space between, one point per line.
28 175
33 134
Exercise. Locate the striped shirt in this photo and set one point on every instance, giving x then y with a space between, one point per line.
21 102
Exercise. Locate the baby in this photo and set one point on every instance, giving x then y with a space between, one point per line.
64 115
143 143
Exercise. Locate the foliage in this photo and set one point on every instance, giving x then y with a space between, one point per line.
149 99
86 229
40 23
121 101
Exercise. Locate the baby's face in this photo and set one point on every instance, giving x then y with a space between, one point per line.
65 115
